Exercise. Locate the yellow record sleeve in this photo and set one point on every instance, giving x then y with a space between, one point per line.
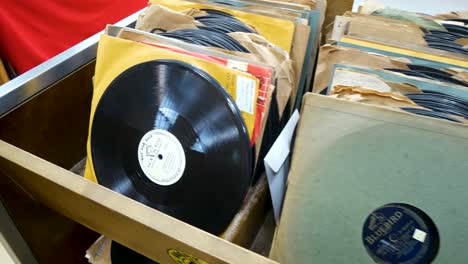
116 55
278 31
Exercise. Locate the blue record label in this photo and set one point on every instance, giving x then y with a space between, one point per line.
399 233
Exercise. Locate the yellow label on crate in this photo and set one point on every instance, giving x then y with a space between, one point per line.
122 54
278 31
180 257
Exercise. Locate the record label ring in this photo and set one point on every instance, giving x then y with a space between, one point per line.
161 157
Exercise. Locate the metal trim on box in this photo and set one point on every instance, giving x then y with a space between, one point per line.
38 79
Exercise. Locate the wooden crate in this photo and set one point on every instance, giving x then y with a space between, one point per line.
60 214
43 133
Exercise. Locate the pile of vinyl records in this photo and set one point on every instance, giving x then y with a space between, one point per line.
418 63
385 129
186 102
450 39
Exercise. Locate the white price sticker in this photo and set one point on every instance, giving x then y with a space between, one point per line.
419 235
237 65
245 94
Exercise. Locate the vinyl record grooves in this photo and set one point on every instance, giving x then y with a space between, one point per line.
208 37
428 73
168 135
445 40
430 113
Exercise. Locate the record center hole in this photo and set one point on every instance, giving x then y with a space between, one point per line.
160 156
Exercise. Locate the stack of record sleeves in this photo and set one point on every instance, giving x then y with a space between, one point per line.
186 103
415 62
384 129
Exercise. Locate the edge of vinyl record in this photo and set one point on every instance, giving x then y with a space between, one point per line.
261 12
122 219
297 13
246 10
291 5
267 26
114 31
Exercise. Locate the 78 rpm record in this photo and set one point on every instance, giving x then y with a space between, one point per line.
168 135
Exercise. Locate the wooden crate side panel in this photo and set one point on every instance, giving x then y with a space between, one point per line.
52 237
138 227
54 124
246 224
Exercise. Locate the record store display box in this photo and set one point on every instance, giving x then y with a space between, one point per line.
44 121
48 137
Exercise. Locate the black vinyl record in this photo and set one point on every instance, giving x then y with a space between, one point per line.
208 37
168 135
456 29
430 113
463 20
422 68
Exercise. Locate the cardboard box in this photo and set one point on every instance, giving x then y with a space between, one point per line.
351 158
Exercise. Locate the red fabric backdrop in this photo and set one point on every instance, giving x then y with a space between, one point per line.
33 31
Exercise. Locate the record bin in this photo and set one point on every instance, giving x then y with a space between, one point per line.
44 117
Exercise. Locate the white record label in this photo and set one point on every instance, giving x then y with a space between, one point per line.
161 157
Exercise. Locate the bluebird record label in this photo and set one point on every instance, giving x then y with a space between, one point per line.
400 233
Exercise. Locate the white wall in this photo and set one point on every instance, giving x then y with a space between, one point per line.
423 6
